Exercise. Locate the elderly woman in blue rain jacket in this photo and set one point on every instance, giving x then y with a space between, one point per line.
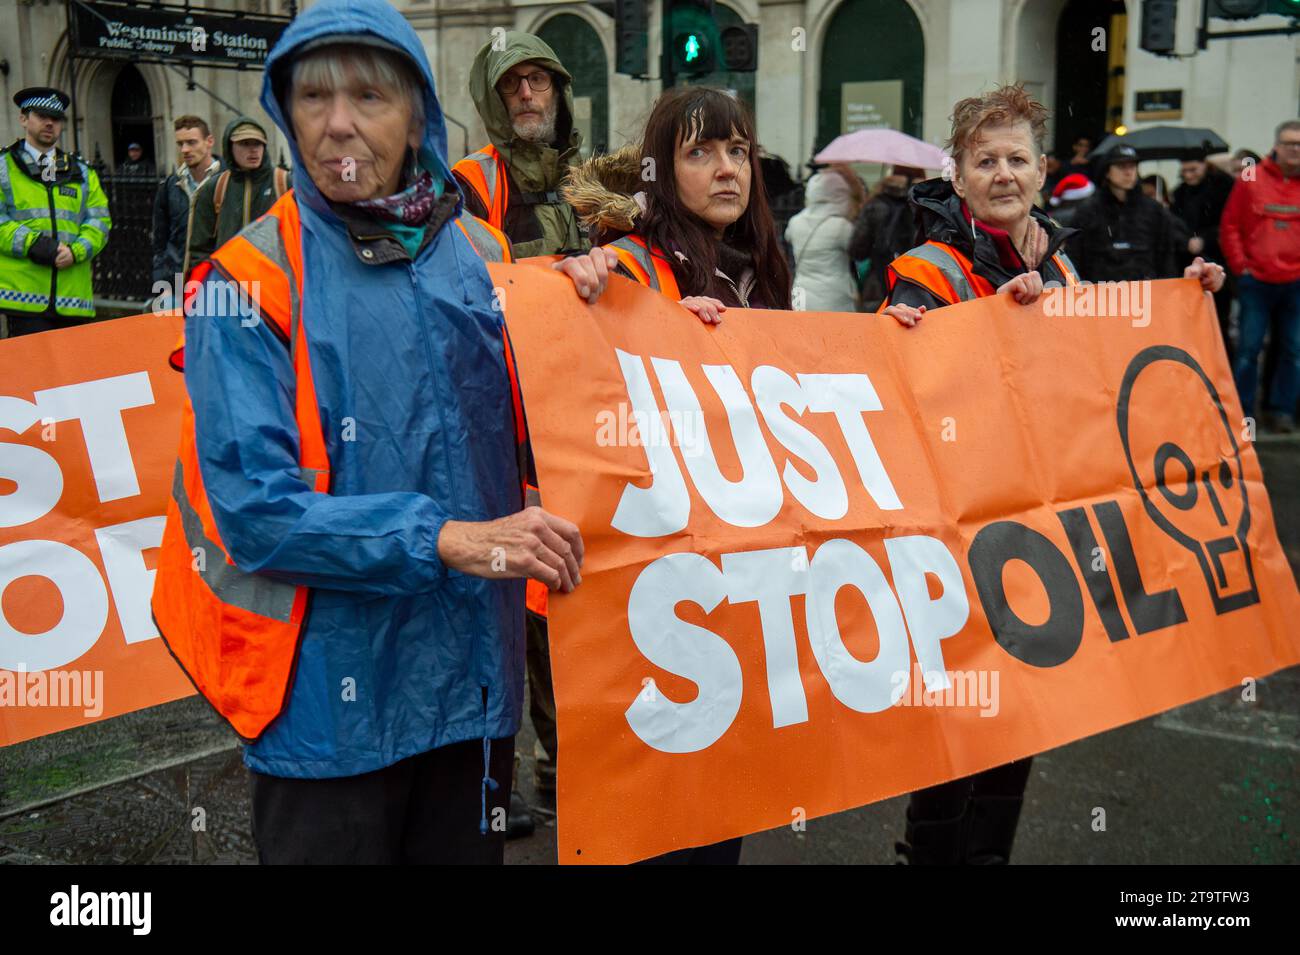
354 450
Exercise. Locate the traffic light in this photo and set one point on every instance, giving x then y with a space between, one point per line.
1237 9
692 37
1246 9
1158 20
740 48
632 37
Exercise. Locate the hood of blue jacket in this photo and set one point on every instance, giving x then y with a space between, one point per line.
347 18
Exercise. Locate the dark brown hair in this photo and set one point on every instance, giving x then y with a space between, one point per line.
703 113
191 122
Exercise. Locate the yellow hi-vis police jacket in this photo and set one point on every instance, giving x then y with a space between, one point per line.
36 214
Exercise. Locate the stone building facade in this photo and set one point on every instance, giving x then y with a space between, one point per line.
824 66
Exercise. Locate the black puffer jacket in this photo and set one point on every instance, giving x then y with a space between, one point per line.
1122 241
941 220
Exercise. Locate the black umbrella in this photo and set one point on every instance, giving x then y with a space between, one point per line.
1166 142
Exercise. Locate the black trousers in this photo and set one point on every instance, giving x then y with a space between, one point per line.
541 693
1223 309
425 809
17 324
949 799
720 853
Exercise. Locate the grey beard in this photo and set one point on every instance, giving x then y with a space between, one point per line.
545 133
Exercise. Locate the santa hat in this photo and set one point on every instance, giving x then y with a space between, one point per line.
1072 187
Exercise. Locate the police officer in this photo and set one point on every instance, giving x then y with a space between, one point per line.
54 220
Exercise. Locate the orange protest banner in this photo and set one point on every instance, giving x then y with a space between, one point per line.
88 424
830 560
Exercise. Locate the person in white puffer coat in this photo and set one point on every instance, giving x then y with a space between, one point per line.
819 237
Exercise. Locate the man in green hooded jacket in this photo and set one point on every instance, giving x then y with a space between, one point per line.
227 202
525 98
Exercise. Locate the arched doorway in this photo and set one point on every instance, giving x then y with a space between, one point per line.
1089 81
131 109
742 83
578 47
870 85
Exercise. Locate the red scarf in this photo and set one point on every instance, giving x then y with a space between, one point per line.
1008 255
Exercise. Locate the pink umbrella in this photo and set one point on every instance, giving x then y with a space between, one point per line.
887 146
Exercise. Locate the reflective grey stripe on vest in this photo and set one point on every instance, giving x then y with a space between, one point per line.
489 249
251 592
43 212
489 166
19 240
264 235
1065 259
945 263
643 258
85 193
6 188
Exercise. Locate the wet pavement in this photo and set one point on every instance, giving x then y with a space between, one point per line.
1217 781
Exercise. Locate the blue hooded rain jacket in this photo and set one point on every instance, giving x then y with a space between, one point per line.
400 654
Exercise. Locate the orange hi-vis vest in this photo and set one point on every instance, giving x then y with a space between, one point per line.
648 266
235 634
485 171
948 274
536 594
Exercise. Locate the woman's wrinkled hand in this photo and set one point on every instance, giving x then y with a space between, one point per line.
1210 274
532 543
1024 288
708 310
905 315
590 272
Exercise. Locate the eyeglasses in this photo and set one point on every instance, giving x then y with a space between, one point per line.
1289 143
538 82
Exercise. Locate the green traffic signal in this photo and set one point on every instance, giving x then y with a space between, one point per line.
694 37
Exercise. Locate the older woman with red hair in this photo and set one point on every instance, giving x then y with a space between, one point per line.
984 236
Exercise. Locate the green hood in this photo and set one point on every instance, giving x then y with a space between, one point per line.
535 167
228 153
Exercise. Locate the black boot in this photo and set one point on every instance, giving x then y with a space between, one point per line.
934 841
519 821
992 829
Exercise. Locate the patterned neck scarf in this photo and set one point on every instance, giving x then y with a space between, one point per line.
410 206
